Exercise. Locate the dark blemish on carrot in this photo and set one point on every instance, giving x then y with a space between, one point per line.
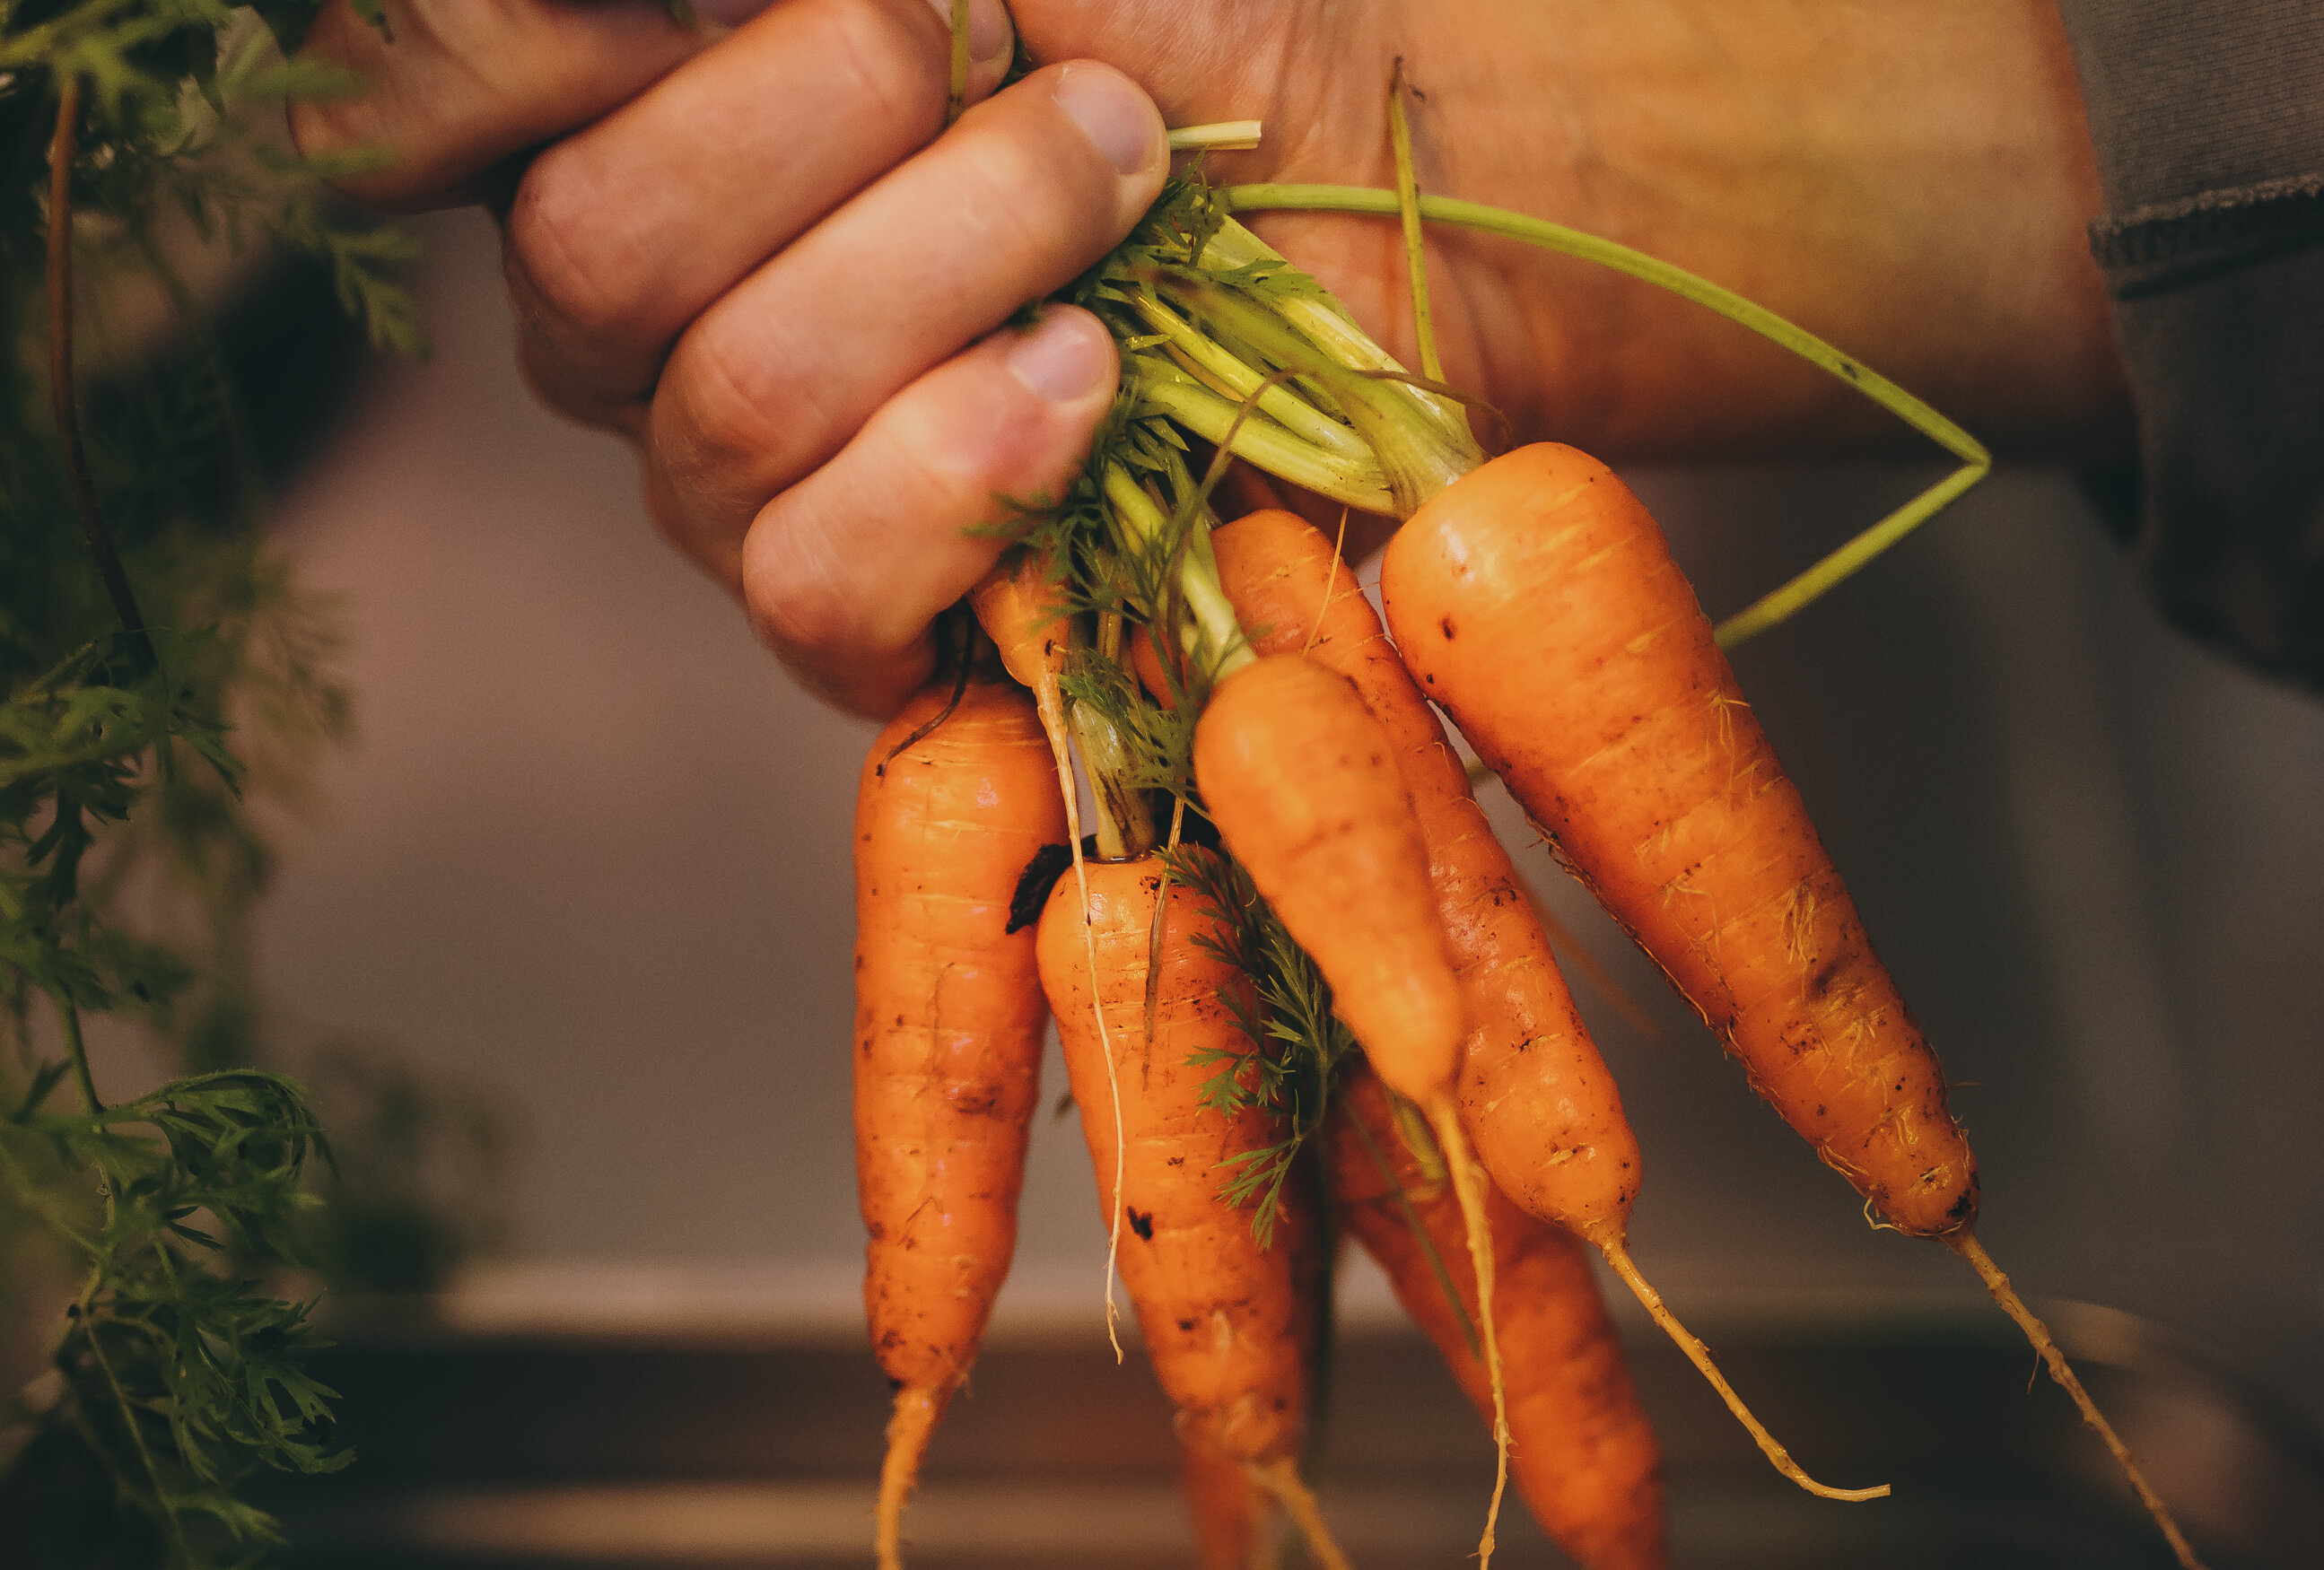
1822 982
1446 624
1033 886
1186 1324
1142 1225
879 771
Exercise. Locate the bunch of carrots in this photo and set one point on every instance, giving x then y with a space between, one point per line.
1290 960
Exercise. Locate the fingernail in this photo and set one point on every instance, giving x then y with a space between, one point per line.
988 28
729 13
1112 112
1065 358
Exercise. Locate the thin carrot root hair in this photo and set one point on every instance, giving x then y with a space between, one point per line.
1568 946
1964 1242
1469 1187
1618 1255
913 1421
996 601
1280 1477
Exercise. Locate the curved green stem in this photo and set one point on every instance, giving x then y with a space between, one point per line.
1266 444
77 1050
1216 642
1407 201
1783 602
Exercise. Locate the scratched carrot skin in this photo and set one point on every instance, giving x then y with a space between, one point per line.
1224 1319
1583 1455
948 1027
1536 1095
1536 600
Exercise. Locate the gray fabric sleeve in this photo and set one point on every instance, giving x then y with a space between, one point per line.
2208 120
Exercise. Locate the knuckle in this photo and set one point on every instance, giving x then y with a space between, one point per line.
565 238
798 607
731 404
884 61
1041 210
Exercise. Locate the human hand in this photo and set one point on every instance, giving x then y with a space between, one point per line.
753 254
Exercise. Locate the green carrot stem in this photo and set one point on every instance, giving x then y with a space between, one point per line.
1407 200
77 1050
1806 587
1259 440
1779 605
1215 642
1124 828
1218 136
956 94
1326 324
1228 375
1416 455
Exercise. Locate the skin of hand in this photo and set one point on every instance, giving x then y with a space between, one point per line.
752 248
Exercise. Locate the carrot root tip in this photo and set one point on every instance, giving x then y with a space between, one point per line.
1618 1256
1281 1478
1468 1186
910 1427
1964 1242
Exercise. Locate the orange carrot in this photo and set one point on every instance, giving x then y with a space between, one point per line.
1536 1095
1228 1510
1548 1119
1585 1458
1225 1320
1302 782
948 1025
1304 788
1535 598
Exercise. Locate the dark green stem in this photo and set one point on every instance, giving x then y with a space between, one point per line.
177 1529
62 401
77 1050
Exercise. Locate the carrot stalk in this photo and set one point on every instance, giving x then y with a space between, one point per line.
1786 600
1407 201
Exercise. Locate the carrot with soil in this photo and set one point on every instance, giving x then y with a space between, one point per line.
1299 778
1543 1108
1585 1458
948 1026
1536 600
1226 1318
1536 1095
